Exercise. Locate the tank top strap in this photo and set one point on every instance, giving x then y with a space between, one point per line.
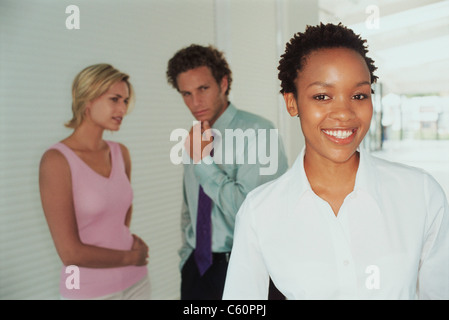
68 153
116 156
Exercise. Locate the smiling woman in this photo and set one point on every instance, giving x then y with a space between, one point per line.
340 224
87 195
334 106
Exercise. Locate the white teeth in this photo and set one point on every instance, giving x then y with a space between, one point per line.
339 134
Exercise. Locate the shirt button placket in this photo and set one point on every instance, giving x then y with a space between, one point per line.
347 278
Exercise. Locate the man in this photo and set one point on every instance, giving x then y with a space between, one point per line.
203 78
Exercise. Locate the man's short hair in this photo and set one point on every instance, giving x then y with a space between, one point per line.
195 56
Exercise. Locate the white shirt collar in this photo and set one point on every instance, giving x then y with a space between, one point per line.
366 178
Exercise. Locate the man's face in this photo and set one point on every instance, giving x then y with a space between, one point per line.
205 98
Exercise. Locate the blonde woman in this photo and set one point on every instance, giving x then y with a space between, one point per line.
87 195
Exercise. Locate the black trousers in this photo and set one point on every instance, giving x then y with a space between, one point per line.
211 285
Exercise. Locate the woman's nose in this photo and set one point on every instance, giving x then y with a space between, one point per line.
342 110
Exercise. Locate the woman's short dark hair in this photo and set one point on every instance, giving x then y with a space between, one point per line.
317 37
195 56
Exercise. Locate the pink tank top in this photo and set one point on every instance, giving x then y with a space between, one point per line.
101 204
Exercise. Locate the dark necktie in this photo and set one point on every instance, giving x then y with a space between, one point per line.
203 249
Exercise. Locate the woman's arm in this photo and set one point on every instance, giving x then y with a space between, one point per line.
127 161
57 202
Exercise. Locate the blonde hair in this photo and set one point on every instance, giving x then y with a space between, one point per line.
91 83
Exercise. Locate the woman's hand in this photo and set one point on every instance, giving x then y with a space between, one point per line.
142 251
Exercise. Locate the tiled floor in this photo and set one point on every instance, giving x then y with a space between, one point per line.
430 155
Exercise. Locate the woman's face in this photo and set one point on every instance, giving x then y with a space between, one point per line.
333 102
108 110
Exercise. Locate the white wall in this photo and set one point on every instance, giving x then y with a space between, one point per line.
39 58
293 17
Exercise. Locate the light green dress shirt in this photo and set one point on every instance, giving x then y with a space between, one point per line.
248 152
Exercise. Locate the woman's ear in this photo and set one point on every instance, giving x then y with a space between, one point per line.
87 108
290 102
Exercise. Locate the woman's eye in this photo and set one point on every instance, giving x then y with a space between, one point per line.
321 97
360 96
114 99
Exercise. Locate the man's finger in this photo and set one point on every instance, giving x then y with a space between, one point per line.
205 125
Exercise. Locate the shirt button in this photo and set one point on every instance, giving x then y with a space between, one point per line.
346 263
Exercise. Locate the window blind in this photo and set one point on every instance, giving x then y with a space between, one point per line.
40 56
39 59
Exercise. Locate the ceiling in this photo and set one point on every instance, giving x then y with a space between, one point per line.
409 41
